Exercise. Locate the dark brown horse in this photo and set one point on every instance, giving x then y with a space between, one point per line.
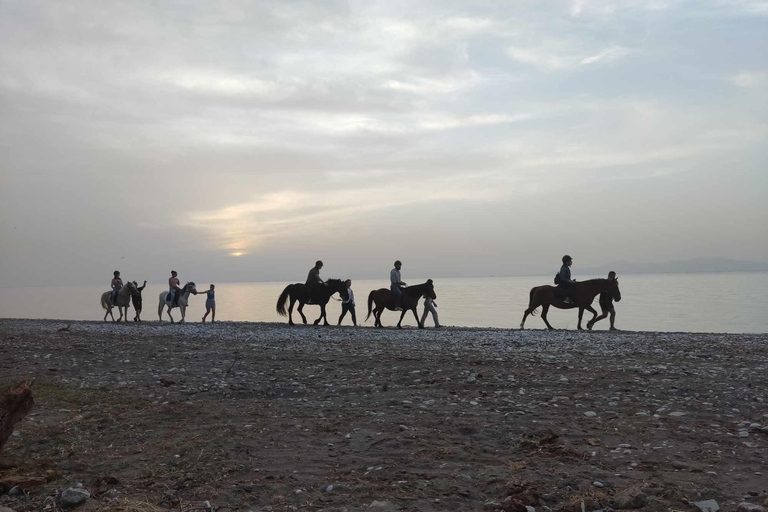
385 299
298 292
584 292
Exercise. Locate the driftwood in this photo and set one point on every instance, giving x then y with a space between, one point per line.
15 403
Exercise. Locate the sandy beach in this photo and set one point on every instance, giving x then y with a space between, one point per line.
263 417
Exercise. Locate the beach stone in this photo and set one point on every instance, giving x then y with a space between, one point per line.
629 499
403 428
15 491
73 497
707 506
749 507
382 506
492 505
590 414
599 485
679 464
677 414
6 509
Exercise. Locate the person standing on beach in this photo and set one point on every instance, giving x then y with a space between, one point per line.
349 304
116 285
313 279
396 285
606 305
429 307
136 299
174 288
565 284
210 304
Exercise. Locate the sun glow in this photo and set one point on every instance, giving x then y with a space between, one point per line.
236 254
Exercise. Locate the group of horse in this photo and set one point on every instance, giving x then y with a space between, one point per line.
583 294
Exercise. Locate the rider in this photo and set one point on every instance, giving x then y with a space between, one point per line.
565 284
174 288
313 279
117 283
396 285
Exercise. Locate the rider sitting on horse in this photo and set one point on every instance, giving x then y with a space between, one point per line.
313 280
396 285
564 283
117 283
174 288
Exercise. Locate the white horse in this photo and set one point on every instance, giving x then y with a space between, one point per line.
183 301
123 300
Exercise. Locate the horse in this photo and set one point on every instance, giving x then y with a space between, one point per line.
385 299
123 301
582 295
183 301
298 292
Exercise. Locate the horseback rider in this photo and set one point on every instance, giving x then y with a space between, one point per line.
314 279
396 285
117 283
565 283
174 288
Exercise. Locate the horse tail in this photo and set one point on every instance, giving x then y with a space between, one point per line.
103 302
530 301
370 304
282 299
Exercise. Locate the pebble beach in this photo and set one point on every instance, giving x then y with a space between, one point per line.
264 417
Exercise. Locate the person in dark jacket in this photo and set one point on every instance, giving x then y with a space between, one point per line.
313 281
565 283
606 305
136 299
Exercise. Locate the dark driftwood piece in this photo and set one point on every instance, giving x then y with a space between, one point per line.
15 403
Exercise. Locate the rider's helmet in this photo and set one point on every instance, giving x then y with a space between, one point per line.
116 273
567 258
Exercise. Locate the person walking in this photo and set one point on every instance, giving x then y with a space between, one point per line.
429 307
210 304
606 305
564 281
314 279
136 299
349 304
174 288
396 285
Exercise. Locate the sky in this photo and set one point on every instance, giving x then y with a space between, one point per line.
241 141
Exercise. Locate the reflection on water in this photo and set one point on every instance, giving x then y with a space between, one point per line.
730 302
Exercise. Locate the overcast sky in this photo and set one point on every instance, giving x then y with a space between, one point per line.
241 141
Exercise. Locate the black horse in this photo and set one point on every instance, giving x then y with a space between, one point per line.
385 299
298 292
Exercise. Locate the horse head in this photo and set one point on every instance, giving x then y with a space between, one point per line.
132 286
613 289
190 287
431 289
337 285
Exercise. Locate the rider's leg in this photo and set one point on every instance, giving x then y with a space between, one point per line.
398 297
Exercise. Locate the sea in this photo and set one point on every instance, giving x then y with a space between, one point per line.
713 302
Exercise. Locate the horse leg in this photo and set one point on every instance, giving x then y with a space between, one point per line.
594 315
581 314
377 315
106 313
592 322
290 311
300 309
402 315
322 313
544 310
120 312
183 313
418 322
169 314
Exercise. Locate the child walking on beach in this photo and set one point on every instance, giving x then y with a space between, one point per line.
429 307
210 304
349 304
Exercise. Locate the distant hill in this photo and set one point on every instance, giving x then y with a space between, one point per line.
682 267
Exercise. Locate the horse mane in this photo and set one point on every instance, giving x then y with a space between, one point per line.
417 289
329 281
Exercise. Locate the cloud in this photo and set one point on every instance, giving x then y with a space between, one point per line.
752 79
610 54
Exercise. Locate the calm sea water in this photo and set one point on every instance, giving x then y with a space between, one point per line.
728 302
